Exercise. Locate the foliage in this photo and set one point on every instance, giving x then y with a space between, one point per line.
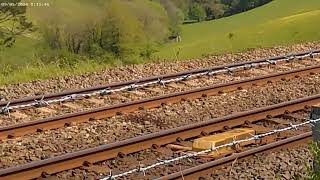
215 9
121 31
276 23
119 27
12 22
75 33
197 12
175 15
315 150
153 17
183 5
75 36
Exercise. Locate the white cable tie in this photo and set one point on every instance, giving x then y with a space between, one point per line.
109 177
212 147
255 137
140 169
186 77
40 102
271 61
199 74
254 65
247 66
228 69
160 81
210 72
234 142
294 126
72 96
5 109
311 123
132 86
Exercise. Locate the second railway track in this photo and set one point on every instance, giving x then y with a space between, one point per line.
62 162
104 112
109 151
203 170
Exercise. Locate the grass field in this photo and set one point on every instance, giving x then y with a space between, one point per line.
280 22
277 23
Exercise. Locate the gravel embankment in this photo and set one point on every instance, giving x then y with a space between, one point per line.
139 71
284 164
55 109
281 164
52 143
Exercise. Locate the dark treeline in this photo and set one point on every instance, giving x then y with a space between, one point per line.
200 10
107 29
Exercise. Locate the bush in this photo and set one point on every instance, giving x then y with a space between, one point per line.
315 150
120 28
197 12
96 51
148 51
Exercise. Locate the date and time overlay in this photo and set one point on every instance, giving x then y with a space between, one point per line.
4 3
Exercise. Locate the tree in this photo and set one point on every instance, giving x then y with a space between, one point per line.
121 32
118 27
175 15
215 9
76 33
197 12
153 18
183 5
13 22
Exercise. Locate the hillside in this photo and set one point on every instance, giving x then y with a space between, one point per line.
277 23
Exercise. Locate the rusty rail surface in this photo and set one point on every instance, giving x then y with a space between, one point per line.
206 168
109 151
109 111
144 80
104 112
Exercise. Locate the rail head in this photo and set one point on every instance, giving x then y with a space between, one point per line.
158 98
204 169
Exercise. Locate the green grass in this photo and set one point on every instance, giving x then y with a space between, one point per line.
30 73
20 64
280 22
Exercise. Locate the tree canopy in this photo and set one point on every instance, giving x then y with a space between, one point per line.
13 22
213 9
117 27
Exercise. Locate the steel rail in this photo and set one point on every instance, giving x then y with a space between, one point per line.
234 143
109 111
111 86
206 168
109 151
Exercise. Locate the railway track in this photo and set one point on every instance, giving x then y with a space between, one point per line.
43 106
201 171
109 151
104 112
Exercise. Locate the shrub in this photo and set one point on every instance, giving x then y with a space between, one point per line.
313 173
